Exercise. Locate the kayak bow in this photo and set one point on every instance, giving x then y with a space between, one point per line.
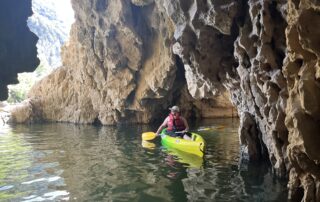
194 146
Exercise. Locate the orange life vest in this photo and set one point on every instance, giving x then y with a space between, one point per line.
175 123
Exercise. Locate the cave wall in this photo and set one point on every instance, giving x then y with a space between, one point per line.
103 78
260 50
119 67
273 77
239 46
17 43
301 69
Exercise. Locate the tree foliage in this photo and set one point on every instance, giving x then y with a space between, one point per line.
18 92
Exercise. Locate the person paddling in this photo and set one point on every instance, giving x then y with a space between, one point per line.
177 125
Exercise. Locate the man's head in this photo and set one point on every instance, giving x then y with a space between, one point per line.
174 109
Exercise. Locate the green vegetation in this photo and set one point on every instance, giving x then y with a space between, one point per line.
18 92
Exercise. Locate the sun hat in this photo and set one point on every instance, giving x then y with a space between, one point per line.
174 109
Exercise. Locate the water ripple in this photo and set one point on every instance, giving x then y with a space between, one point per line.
50 179
50 196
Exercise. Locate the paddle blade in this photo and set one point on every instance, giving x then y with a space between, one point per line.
148 135
203 129
219 127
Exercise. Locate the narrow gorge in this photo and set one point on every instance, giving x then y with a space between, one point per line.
127 61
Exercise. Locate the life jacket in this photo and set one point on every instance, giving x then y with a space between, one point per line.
175 124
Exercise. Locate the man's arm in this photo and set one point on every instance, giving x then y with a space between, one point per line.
163 125
186 124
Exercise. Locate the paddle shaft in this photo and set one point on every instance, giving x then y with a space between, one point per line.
152 135
181 132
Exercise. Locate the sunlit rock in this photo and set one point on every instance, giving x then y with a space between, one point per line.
118 67
25 112
142 2
51 21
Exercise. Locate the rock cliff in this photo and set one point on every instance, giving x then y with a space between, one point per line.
17 43
51 21
128 61
119 67
302 72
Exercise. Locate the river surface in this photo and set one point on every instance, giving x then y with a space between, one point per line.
66 162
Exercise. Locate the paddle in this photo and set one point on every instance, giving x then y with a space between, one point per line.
212 128
148 135
152 135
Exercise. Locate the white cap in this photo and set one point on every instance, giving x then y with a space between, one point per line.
175 109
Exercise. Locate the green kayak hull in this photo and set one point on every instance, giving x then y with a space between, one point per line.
194 146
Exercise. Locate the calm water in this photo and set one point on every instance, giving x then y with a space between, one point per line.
57 162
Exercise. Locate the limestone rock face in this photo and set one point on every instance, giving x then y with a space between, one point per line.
119 67
24 112
17 43
108 68
52 26
242 53
301 70
142 2
261 92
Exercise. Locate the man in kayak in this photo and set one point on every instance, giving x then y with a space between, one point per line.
177 125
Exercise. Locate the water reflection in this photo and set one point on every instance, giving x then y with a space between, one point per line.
87 163
92 163
12 149
186 159
224 178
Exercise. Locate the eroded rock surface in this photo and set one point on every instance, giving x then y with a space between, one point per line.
259 50
301 70
119 67
17 43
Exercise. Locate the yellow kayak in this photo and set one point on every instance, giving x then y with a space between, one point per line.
194 146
